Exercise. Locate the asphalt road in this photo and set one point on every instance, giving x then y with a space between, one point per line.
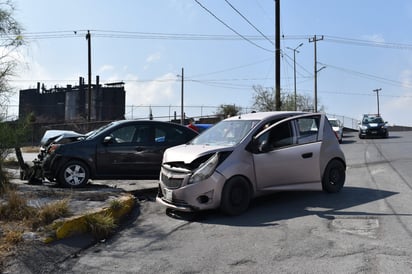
366 228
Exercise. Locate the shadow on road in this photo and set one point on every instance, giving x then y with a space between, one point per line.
267 210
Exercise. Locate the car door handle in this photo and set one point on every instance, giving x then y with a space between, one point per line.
307 155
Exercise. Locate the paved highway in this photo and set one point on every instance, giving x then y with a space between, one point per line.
366 228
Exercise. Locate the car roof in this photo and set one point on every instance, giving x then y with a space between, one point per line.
265 115
118 122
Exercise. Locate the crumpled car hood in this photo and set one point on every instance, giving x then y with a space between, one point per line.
54 135
189 153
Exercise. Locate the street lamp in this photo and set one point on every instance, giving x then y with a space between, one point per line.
377 98
294 67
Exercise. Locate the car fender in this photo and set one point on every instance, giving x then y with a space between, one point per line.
86 155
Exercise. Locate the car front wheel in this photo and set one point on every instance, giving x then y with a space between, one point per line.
235 196
74 174
333 177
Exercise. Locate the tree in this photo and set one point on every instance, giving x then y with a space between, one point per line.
228 110
11 39
264 100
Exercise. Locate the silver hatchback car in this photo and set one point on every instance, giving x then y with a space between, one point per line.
249 155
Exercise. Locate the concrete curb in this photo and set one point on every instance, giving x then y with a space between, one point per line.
64 228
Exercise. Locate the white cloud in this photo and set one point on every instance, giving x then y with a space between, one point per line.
378 38
153 57
406 78
105 68
158 91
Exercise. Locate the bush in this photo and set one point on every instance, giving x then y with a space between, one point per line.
100 225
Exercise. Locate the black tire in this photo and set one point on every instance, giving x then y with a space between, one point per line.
73 174
236 196
334 176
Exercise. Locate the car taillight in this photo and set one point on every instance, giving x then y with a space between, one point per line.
52 148
336 134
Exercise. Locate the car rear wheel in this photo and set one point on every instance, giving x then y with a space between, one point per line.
74 174
235 196
333 177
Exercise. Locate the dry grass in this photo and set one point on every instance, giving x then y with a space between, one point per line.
30 149
15 208
115 205
100 226
13 237
50 212
17 218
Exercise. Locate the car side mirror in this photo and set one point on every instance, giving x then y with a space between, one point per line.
263 146
257 146
108 140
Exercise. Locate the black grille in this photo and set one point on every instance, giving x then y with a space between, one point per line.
171 183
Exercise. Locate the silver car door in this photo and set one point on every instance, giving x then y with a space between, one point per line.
292 152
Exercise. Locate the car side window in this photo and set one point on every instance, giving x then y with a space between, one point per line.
124 134
281 136
145 135
170 135
308 129
160 135
278 137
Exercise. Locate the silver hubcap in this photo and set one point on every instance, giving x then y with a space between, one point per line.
74 175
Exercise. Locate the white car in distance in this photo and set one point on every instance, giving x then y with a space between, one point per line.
337 128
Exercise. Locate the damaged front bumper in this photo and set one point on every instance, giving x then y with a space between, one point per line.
175 191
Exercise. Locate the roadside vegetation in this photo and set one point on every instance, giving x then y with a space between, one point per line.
101 226
11 33
264 100
18 219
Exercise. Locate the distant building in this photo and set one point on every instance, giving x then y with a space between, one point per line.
70 103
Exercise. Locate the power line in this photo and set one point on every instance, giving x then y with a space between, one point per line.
233 30
353 41
192 36
359 42
135 35
369 76
250 23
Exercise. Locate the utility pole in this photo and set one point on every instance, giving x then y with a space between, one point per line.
315 39
277 55
89 88
377 98
182 113
294 68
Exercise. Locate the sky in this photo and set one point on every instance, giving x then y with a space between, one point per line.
222 49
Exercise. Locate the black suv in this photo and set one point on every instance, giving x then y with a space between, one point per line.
120 150
373 126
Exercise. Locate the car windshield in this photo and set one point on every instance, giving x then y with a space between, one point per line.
225 133
334 123
372 120
91 134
